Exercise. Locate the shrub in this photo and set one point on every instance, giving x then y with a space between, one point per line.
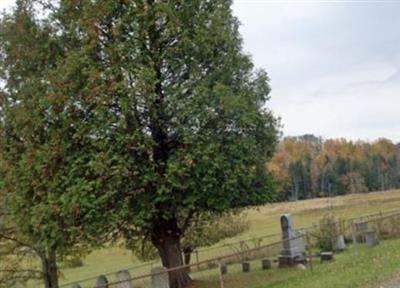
330 227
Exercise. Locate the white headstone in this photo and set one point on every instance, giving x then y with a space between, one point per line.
159 278
124 277
340 244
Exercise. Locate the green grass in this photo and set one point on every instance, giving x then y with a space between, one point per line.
366 268
263 220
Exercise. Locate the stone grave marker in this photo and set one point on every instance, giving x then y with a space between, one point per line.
293 250
340 244
371 238
124 277
76 286
246 267
326 256
266 264
159 278
101 282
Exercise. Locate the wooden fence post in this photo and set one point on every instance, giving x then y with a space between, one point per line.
309 251
197 259
221 277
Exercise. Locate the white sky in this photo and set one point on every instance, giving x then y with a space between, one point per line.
334 65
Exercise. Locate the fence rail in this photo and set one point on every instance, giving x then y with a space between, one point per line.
202 269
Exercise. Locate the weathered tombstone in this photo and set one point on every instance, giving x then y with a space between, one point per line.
124 279
101 282
246 267
326 256
266 264
361 228
340 244
76 286
294 250
371 238
159 278
223 268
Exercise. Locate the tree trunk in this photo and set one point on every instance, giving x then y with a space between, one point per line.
49 268
167 242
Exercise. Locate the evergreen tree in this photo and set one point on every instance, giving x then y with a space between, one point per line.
133 117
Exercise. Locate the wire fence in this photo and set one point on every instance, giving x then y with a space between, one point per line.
250 254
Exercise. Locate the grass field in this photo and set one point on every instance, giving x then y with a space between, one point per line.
263 220
366 269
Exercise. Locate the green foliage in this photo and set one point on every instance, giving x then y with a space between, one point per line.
330 227
211 229
128 118
206 231
72 262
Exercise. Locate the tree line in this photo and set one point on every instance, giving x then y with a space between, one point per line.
308 166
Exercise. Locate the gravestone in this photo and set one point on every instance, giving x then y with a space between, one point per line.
124 277
76 286
101 282
326 256
340 244
361 228
293 250
159 278
266 264
371 238
246 267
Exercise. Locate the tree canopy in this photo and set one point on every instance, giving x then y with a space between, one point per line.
130 117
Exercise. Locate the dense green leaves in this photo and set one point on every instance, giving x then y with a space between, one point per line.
129 116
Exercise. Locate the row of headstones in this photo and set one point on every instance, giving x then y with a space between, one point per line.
265 265
293 246
159 279
293 252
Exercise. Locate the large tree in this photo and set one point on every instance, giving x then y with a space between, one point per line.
152 110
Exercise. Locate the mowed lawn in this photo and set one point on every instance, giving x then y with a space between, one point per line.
263 220
366 268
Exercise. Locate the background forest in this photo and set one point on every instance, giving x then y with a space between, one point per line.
308 166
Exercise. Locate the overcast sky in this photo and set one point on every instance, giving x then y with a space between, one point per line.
334 65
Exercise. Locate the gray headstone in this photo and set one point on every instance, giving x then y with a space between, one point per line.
101 282
293 250
76 286
246 267
124 277
371 238
340 244
326 256
266 264
159 278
